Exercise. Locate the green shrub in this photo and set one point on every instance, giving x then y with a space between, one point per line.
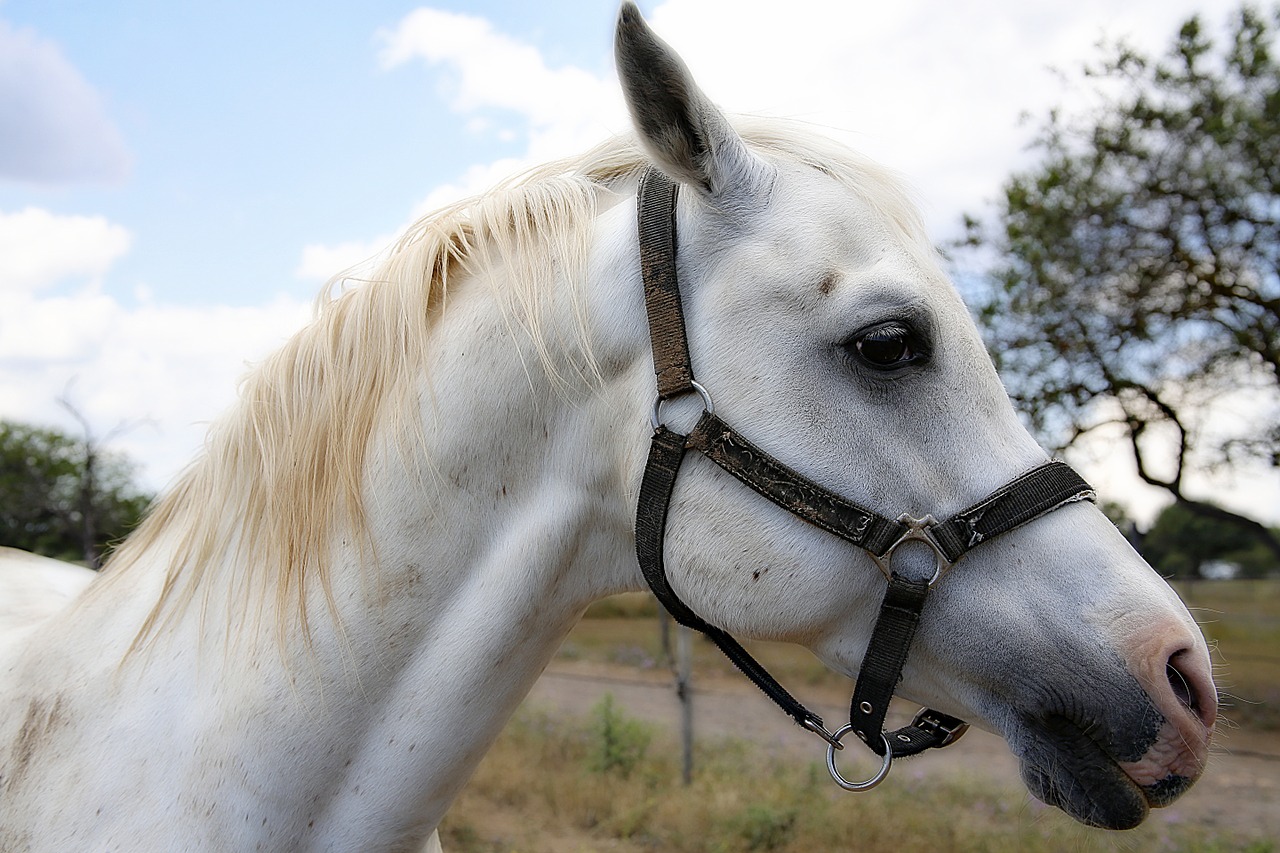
764 827
619 742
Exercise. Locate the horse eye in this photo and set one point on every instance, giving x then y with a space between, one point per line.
887 347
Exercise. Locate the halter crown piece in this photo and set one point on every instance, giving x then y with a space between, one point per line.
1030 496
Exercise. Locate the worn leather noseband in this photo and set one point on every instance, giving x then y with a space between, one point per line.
1030 496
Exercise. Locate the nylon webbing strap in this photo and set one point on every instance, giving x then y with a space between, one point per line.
1022 500
885 657
656 223
656 216
790 490
666 451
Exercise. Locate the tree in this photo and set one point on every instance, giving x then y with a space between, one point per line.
1131 278
64 497
1181 542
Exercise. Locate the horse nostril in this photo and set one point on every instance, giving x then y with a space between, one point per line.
1181 688
1188 689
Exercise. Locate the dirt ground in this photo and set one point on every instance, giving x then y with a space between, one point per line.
1240 790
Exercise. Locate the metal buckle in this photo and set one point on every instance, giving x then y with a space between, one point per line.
917 531
929 720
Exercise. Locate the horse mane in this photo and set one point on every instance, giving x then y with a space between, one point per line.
283 469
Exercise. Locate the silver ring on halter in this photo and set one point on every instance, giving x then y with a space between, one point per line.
886 763
655 417
918 530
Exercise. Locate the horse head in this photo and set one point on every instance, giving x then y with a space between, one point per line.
819 320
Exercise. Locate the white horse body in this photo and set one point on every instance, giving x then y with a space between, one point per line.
483 566
200 696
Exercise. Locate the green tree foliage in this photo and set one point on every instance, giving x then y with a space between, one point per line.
1132 272
1182 541
64 497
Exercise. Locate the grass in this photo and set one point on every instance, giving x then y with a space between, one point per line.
544 786
621 630
537 792
1241 620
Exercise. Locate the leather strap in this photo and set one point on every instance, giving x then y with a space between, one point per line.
657 227
792 491
1026 498
673 371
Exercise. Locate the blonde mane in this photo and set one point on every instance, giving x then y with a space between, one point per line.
283 470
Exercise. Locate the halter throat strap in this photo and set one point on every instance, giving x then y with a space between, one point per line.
1031 495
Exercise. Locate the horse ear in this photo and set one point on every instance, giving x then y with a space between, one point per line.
687 135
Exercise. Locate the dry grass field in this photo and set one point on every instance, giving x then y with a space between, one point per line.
572 773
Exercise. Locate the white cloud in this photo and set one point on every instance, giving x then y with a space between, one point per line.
475 180
564 110
53 124
174 366
39 249
320 262
933 90
490 70
936 92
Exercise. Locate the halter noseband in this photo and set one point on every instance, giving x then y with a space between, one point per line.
1030 496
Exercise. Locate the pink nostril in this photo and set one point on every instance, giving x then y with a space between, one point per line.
1192 687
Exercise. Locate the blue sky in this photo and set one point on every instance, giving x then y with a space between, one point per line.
178 179
247 129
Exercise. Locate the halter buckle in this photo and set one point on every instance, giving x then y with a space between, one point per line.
932 721
918 530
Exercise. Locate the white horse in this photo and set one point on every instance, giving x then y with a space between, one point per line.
316 635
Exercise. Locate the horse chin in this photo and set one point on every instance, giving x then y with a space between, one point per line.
1066 768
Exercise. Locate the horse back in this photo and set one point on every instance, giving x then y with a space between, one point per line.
33 588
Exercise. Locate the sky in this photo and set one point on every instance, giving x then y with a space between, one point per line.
179 180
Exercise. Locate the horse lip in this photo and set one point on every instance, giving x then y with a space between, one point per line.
1066 767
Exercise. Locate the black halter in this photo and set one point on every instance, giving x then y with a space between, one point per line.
1031 495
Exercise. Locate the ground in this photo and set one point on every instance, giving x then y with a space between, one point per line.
1240 790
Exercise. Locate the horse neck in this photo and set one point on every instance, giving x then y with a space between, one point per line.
489 530
492 541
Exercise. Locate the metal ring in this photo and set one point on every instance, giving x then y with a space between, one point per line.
918 530
655 416
886 763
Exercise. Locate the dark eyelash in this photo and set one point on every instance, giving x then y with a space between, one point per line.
887 346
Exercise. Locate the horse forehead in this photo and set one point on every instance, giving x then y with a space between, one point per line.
819 226
826 206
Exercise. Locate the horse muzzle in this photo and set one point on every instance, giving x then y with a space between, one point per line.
1139 751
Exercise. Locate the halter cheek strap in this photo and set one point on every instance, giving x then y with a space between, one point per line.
1035 493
